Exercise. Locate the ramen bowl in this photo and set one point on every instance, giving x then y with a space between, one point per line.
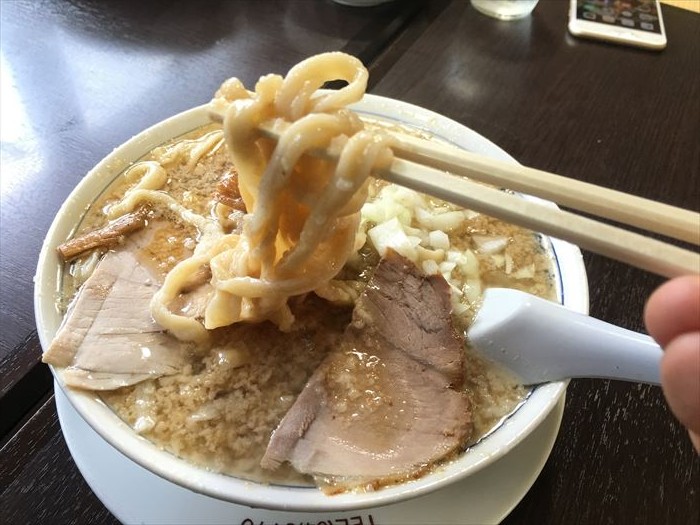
570 282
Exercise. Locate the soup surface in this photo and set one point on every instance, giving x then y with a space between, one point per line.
221 408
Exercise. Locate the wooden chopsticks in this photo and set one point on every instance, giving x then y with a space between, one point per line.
596 200
440 170
632 248
629 247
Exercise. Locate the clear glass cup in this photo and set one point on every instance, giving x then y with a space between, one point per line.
505 9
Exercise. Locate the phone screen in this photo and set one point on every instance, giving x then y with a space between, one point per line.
632 14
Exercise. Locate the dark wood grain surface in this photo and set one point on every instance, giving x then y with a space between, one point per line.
80 76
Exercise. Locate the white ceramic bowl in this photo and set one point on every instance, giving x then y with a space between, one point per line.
571 282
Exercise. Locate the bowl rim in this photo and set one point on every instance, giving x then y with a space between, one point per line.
278 497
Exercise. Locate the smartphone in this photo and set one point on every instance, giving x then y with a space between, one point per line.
629 22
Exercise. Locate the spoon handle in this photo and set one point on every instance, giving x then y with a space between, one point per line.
544 341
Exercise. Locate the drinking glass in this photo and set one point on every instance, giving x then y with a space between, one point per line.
505 9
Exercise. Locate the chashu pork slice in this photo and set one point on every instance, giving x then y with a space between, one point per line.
387 404
108 338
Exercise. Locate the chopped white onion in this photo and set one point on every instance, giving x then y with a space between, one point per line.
472 290
459 309
470 266
416 232
489 244
144 424
415 241
430 267
419 229
383 210
499 260
456 292
407 197
446 222
435 255
509 263
526 272
438 239
447 267
455 257
390 234
205 413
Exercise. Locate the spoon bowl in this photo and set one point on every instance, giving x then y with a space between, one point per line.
542 341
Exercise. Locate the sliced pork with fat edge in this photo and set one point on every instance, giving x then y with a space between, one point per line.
386 405
108 338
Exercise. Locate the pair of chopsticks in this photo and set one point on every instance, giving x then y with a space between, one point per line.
423 165
444 171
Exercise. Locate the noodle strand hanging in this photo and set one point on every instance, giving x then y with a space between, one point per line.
303 213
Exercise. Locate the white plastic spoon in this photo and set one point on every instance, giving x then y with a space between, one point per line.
543 341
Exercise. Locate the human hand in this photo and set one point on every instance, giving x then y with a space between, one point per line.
672 316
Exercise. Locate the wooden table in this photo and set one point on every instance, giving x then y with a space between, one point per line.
80 77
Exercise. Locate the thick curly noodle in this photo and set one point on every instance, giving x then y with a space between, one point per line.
303 211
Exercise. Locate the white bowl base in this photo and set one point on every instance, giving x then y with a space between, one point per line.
136 495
